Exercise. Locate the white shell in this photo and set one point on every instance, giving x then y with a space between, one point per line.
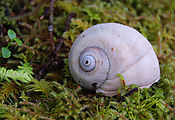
118 49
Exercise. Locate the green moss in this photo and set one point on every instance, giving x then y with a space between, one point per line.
58 96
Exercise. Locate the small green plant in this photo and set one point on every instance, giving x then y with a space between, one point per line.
6 53
22 75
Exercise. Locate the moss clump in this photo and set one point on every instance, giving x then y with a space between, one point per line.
56 95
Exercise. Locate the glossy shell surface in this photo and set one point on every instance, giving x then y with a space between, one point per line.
113 49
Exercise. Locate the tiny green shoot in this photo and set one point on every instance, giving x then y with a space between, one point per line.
122 79
6 53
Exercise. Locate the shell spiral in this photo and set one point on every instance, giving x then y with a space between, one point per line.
104 50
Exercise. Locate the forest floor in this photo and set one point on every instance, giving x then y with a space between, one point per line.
35 40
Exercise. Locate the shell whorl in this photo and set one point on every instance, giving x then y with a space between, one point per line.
87 62
92 69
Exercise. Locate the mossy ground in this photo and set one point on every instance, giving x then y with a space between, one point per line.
57 95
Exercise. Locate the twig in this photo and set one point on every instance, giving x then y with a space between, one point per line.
169 107
127 94
121 116
30 48
159 45
54 54
79 1
39 115
1 29
32 104
172 53
26 25
69 21
27 14
50 27
65 29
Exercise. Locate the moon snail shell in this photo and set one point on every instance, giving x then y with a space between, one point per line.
105 50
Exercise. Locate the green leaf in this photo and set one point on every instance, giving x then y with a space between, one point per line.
11 34
122 79
19 42
6 52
